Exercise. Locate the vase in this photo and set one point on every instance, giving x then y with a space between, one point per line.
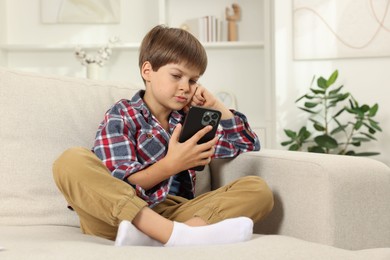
93 71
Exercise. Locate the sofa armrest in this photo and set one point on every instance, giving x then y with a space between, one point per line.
336 200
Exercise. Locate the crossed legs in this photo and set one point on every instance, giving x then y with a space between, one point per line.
105 203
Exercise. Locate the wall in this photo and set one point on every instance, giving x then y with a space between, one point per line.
368 79
28 29
25 28
3 31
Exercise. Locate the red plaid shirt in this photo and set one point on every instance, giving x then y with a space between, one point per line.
130 139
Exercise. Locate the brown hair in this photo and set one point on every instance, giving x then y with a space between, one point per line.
163 45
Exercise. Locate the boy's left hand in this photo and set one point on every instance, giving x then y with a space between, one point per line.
204 98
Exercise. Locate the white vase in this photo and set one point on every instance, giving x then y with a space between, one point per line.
93 71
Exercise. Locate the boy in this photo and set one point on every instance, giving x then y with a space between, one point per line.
151 199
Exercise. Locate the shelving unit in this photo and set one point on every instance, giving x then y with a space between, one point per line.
122 46
243 68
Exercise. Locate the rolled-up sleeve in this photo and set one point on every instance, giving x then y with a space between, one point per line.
235 137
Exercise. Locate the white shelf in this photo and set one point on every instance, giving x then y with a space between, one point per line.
233 45
124 46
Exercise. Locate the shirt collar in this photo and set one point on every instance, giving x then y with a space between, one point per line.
138 103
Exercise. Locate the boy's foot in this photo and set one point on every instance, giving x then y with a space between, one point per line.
228 231
129 235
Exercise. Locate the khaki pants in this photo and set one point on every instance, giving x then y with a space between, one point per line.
102 201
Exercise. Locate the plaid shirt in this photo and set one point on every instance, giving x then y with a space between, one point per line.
130 139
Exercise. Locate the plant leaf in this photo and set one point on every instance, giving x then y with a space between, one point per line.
317 91
308 110
304 96
303 132
370 129
332 78
373 110
305 136
335 91
343 97
351 103
287 143
361 139
294 147
326 141
319 127
310 104
368 135
375 125
364 108
316 149
358 124
367 154
338 113
356 143
290 133
322 83
338 129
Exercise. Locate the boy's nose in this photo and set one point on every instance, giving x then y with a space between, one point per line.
185 86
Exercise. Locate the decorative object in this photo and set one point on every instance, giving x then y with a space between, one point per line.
95 62
232 21
80 11
336 131
326 29
227 98
93 71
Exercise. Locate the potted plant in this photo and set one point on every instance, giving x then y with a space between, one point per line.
333 132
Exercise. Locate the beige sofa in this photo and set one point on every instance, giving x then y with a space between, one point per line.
326 207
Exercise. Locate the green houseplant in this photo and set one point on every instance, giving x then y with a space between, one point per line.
333 132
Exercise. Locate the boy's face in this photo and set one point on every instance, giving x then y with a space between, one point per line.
169 88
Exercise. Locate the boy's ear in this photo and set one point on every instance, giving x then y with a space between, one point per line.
146 69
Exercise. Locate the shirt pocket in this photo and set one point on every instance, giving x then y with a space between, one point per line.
151 146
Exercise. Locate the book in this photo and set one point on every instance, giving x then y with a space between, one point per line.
207 28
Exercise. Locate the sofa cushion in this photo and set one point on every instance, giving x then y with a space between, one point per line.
56 242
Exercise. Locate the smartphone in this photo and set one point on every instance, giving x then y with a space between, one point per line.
196 119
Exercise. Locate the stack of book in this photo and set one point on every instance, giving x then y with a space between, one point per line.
207 28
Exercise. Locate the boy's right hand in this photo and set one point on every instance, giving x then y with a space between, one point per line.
183 156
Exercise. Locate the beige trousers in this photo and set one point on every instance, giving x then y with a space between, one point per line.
103 201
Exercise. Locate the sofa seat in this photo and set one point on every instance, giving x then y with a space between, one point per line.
65 242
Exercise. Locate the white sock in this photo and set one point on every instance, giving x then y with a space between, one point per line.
228 231
129 235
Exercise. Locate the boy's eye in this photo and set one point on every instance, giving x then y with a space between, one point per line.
176 76
193 82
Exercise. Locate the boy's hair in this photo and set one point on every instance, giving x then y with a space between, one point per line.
163 45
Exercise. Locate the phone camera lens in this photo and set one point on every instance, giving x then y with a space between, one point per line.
206 118
214 116
212 123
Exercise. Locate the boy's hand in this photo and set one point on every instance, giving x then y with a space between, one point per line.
183 156
204 98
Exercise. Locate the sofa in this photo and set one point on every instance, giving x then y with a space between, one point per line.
326 206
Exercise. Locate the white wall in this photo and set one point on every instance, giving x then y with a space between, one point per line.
3 31
26 27
23 27
368 79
